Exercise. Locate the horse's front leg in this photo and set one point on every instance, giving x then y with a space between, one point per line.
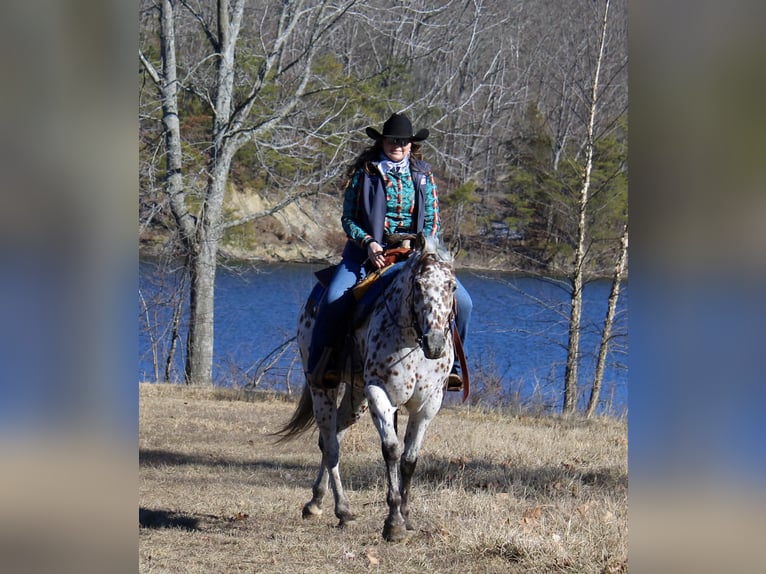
413 439
382 412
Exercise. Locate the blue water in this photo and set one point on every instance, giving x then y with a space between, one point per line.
516 346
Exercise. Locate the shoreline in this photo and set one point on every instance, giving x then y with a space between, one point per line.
505 265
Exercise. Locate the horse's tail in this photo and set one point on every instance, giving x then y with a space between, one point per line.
302 418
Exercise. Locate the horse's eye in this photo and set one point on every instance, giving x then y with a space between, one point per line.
453 285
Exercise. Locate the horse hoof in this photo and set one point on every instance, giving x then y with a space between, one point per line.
394 533
311 511
344 519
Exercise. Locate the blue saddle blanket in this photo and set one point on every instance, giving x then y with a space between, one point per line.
363 306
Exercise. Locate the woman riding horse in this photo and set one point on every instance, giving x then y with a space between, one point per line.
389 191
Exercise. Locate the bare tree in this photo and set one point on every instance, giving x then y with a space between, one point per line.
581 246
231 95
606 335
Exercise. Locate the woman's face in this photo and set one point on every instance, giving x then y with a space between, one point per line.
396 149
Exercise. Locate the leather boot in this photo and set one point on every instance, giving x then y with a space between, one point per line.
454 380
325 374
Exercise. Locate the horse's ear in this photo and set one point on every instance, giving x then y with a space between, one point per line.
420 241
455 246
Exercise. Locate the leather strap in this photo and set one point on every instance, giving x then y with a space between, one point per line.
396 254
461 358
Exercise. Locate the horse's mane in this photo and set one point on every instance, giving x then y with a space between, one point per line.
434 247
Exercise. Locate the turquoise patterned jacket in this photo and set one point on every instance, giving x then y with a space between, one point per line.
383 203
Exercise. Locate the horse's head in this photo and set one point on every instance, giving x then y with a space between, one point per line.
434 285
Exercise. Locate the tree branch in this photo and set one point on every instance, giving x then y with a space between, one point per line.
271 211
205 28
150 69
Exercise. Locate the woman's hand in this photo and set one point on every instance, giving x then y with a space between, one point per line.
375 254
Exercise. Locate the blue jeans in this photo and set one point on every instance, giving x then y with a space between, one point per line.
338 302
334 308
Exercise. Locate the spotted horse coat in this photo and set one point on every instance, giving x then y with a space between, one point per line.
406 352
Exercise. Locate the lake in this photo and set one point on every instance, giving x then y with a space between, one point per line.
516 344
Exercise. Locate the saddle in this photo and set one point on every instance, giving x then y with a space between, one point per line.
366 291
390 257
399 249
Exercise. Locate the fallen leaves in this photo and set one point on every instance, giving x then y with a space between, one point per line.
583 509
531 516
372 557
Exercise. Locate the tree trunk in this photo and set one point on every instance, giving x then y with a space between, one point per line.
199 341
573 347
174 184
204 261
614 295
573 350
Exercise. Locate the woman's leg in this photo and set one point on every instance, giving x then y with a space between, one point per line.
332 311
464 308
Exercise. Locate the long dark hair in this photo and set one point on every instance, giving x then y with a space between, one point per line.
370 154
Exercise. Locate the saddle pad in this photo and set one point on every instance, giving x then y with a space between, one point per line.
367 291
324 275
362 286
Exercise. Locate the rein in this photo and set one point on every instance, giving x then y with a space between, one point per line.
411 295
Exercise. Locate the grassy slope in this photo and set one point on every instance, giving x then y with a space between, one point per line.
491 493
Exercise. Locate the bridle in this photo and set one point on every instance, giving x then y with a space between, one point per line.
414 324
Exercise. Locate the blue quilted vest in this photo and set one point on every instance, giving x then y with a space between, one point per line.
373 200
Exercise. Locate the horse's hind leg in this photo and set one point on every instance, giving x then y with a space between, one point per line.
326 416
313 508
331 460
353 405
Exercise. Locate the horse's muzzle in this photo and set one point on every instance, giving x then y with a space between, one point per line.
433 344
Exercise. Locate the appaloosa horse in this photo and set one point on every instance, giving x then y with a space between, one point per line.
404 353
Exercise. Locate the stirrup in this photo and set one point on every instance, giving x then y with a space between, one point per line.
323 375
330 379
454 382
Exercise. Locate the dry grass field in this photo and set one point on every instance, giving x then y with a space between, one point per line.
492 493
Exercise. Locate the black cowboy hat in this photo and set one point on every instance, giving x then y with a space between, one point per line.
397 126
